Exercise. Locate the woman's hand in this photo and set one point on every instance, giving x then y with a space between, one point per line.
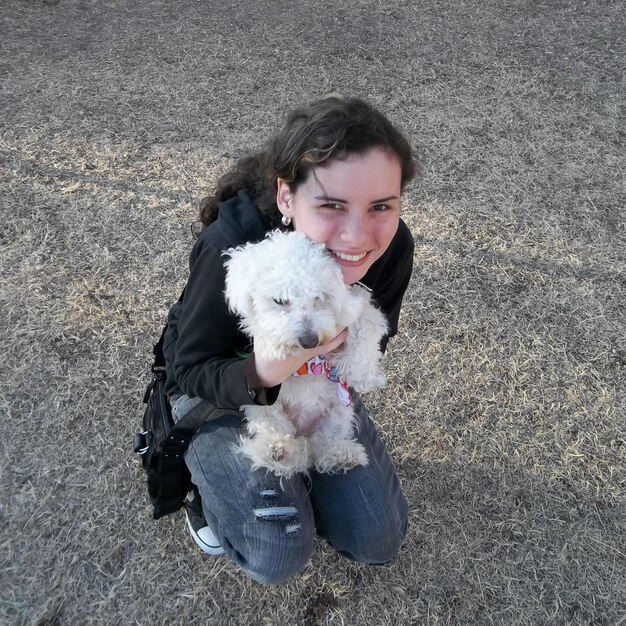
274 372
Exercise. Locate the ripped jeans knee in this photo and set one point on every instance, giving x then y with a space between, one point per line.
278 540
277 513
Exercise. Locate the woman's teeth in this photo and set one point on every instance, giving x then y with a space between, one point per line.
349 257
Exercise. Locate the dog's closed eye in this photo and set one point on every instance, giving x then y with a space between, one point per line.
280 302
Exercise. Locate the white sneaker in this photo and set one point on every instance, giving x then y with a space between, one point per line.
199 529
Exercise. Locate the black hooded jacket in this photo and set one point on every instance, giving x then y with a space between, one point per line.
203 344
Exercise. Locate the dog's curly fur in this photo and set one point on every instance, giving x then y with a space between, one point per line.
289 293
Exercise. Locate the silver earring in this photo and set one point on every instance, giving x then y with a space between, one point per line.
286 220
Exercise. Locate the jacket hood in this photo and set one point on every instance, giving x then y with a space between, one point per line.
239 220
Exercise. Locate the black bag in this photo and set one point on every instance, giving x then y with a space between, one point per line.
162 443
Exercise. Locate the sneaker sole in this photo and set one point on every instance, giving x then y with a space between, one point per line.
211 550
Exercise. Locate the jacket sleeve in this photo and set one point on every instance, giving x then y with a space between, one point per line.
205 364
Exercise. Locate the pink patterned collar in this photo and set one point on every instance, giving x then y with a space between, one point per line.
318 366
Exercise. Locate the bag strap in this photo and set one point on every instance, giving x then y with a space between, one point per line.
159 358
173 473
186 427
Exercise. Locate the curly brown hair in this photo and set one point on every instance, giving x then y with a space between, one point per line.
314 135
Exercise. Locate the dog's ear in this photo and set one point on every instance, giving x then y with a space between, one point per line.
241 275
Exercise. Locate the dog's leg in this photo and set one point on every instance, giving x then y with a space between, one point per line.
273 444
358 361
332 446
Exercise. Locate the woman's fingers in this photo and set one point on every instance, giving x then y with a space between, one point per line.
272 373
328 347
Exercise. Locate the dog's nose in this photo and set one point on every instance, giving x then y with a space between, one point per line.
308 340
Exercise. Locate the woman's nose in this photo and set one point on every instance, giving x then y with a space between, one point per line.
354 230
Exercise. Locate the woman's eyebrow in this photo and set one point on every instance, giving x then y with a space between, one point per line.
331 199
385 199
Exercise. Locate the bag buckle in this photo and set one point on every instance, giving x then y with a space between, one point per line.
142 442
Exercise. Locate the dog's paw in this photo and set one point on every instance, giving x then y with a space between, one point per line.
341 456
284 455
289 457
278 452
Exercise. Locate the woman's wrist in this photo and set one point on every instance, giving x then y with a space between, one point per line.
273 372
258 389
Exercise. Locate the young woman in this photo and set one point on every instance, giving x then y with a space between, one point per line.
334 172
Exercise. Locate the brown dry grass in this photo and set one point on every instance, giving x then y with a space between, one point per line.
505 411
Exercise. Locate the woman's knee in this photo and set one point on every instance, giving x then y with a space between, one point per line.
273 549
378 544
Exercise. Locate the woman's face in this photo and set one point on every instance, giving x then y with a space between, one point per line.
351 205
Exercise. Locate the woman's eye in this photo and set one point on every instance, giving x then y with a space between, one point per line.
280 302
381 207
331 205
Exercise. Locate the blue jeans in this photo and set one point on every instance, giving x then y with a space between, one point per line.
267 525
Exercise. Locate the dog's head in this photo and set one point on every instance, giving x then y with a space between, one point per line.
289 291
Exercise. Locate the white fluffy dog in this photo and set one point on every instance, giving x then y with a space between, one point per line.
290 294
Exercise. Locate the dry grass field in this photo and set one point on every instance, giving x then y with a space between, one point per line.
507 397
